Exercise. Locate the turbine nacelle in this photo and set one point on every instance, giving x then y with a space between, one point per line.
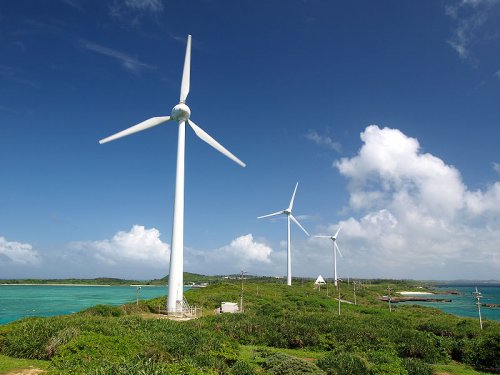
180 112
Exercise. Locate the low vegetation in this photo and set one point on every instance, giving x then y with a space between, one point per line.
189 278
284 330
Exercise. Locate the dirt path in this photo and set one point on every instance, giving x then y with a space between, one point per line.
28 371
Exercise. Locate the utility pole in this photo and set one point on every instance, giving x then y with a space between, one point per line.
389 290
354 284
241 293
338 288
137 295
477 295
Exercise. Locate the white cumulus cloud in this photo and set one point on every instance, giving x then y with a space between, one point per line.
244 252
139 245
413 214
246 249
17 252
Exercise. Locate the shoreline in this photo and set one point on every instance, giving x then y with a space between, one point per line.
51 284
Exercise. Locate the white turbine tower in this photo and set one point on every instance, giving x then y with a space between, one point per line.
181 114
288 213
335 249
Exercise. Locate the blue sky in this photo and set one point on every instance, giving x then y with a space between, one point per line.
293 89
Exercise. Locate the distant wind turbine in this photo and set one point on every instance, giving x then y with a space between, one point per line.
288 213
335 249
181 114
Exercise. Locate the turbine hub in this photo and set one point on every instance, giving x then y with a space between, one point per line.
181 112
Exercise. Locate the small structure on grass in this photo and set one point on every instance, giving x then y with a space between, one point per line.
319 281
229 307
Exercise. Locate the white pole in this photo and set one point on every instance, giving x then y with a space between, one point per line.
175 276
478 296
335 263
479 310
288 254
354 283
338 288
137 295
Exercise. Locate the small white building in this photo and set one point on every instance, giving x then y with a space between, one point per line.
229 307
320 280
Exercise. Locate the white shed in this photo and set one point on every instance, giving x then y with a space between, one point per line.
320 280
229 307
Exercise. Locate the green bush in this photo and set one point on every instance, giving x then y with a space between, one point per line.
242 368
421 345
483 352
146 367
385 362
91 350
29 338
343 363
283 364
416 367
62 337
103 310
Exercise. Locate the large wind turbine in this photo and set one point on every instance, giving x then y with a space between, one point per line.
335 249
288 213
181 114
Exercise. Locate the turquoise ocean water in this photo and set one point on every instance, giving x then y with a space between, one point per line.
464 304
19 301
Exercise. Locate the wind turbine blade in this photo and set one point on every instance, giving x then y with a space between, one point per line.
296 222
337 232
273 214
323 236
186 73
337 247
212 142
149 123
293 197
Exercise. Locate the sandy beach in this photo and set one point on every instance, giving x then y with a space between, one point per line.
414 293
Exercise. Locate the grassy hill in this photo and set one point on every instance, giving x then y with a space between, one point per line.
284 330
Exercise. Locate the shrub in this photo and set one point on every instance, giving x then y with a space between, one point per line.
483 352
283 364
385 362
416 367
61 338
420 345
343 363
92 350
103 310
29 338
242 368
149 367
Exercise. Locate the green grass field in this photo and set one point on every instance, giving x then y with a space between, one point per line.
284 330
